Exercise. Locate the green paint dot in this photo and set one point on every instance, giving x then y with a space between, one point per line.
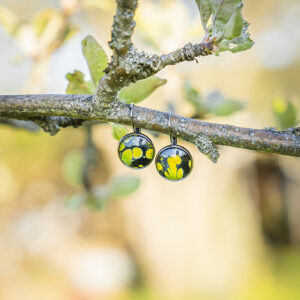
121 147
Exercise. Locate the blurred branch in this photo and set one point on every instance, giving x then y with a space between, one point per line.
48 124
90 159
20 124
83 107
42 58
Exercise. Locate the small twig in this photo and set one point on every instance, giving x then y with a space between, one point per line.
188 53
140 65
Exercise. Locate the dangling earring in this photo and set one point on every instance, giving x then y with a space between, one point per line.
173 162
135 149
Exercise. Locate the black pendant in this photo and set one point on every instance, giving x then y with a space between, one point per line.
136 150
174 162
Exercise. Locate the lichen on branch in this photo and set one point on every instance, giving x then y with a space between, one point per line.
197 132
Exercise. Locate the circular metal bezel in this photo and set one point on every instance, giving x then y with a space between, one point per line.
180 148
140 135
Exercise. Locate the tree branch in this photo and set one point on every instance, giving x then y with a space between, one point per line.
123 27
29 106
83 107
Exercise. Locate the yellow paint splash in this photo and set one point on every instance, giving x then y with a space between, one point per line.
159 166
149 153
137 152
127 157
173 173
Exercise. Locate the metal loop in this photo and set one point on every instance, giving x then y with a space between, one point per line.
138 130
173 139
131 114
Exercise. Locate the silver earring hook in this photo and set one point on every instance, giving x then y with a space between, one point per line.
131 113
137 130
173 139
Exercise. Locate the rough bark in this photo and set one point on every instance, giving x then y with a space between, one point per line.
81 107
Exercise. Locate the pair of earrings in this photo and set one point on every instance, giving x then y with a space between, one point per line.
137 151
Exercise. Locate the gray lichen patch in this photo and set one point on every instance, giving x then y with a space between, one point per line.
207 147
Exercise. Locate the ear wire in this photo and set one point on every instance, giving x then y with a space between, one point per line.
173 139
137 130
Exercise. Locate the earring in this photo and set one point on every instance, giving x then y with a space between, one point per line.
174 162
135 149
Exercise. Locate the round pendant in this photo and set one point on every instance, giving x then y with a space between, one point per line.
174 162
136 150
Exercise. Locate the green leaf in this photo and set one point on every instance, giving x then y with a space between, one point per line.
228 29
241 43
106 5
45 20
138 91
46 25
223 10
233 28
70 31
9 21
72 168
75 201
236 45
118 130
122 186
285 113
100 197
195 98
205 9
95 57
218 105
77 85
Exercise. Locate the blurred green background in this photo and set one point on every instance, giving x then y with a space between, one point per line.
231 230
